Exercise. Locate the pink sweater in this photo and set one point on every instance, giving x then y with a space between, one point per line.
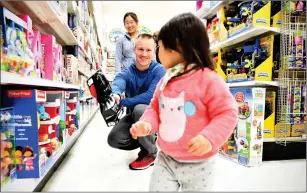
195 103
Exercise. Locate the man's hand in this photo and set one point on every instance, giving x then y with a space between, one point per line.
140 129
116 98
199 145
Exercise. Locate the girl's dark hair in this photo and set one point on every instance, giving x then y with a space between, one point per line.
131 14
186 34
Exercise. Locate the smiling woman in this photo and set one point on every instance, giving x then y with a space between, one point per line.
124 46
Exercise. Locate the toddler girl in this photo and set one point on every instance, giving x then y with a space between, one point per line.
192 110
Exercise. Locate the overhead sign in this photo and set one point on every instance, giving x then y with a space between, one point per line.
115 34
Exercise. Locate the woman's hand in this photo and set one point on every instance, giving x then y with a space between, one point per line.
140 129
199 145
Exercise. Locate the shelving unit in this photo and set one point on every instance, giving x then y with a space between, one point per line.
281 146
48 17
44 18
8 78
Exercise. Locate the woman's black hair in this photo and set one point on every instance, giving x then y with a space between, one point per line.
131 14
186 34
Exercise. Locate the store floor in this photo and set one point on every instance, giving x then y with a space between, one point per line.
92 165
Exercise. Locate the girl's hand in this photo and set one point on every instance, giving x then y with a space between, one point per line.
140 129
199 145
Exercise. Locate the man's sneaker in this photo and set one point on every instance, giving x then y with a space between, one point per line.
142 162
142 153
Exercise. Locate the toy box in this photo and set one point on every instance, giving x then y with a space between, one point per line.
58 67
36 47
16 56
251 61
269 115
34 39
36 117
246 142
298 130
73 24
8 154
48 48
72 114
297 105
241 16
71 66
282 130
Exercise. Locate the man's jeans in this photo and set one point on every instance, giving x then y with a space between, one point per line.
120 137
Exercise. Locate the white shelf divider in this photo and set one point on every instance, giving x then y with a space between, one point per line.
204 13
288 139
8 78
243 36
253 84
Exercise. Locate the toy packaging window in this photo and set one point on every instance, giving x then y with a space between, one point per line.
9 155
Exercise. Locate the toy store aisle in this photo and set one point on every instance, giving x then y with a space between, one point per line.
92 165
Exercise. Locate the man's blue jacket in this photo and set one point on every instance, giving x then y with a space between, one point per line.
138 86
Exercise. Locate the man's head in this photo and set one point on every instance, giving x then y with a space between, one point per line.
144 51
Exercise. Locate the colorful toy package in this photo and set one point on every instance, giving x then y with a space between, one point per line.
72 114
245 144
48 51
37 124
269 115
16 56
8 153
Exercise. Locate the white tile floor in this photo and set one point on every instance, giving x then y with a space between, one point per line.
92 165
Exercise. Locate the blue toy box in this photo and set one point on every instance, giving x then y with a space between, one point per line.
38 136
7 129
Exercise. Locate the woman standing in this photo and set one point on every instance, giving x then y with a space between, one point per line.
124 54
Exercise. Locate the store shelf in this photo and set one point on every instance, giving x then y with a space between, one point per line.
84 74
36 184
204 13
243 36
72 7
287 139
253 83
82 26
44 18
86 98
82 51
8 78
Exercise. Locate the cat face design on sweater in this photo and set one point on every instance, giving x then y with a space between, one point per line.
173 116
